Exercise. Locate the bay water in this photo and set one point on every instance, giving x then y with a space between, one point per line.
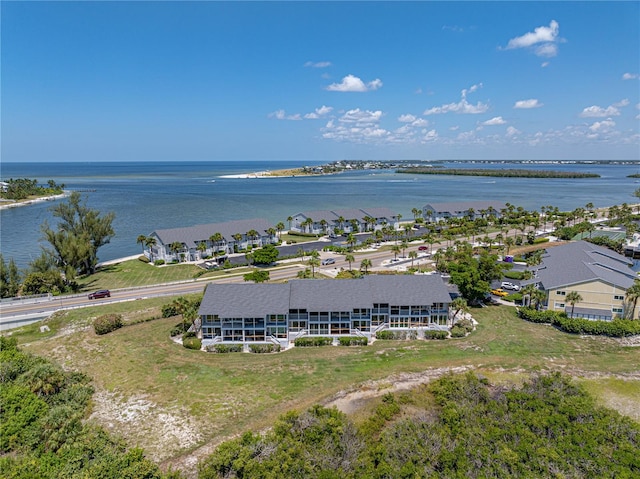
146 196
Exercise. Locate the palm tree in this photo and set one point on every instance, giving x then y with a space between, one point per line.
349 259
396 249
141 241
572 298
458 305
509 242
238 238
253 235
323 225
289 219
216 239
150 242
403 246
413 255
351 241
314 263
202 247
430 239
631 296
175 248
280 228
365 264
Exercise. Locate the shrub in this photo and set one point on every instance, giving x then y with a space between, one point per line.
179 328
192 343
313 341
534 316
169 310
397 335
107 322
514 274
158 262
224 348
458 332
144 259
353 341
540 240
432 334
616 328
189 334
264 348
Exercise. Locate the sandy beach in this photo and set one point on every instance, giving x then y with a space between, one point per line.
6 204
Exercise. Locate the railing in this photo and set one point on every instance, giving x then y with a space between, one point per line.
299 334
357 332
381 327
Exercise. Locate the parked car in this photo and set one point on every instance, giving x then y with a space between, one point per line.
499 292
327 261
510 286
101 293
422 248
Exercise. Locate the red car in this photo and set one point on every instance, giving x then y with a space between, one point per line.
101 293
422 248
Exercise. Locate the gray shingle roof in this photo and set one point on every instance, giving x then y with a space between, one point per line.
245 300
380 212
581 262
191 235
249 299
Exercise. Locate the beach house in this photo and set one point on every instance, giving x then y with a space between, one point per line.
194 243
435 212
600 276
280 313
346 220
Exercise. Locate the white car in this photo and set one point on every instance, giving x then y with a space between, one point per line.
510 286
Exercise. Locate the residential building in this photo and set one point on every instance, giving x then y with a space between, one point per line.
280 313
232 236
600 276
435 212
348 220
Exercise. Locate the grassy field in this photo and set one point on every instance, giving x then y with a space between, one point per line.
219 396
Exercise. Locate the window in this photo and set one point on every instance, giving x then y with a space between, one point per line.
618 297
561 293
617 310
558 305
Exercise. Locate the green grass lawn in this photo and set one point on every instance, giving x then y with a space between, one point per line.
227 394
136 273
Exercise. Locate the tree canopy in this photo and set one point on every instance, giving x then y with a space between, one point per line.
80 232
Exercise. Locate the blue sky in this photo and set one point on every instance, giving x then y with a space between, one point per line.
307 81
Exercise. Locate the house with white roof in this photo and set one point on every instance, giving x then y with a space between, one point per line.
217 238
600 276
435 212
280 313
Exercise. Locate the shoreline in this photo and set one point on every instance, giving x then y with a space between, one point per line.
7 204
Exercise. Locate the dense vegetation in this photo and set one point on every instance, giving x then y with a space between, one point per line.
458 427
44 433
617 328
511 173
22 188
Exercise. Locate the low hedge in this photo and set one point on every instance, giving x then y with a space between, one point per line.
540 240
514 274
107 322
616 328
431 334
158 262
309 341
353 341
397 335
144 259
458 332
192 343
224 348
264 348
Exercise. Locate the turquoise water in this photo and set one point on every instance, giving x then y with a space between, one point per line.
147 196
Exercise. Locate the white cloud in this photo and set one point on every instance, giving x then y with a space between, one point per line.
543 40
406 118
621 103
463 106
604 126
630 76
429 136
352 83
512 131
531 103
319 113
498 120
317 64
281 115
420 122
599 112
361 116
539 35
544 64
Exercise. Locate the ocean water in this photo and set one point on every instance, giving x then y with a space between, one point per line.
147 196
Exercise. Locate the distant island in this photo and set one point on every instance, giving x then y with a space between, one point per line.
23 191
508 173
